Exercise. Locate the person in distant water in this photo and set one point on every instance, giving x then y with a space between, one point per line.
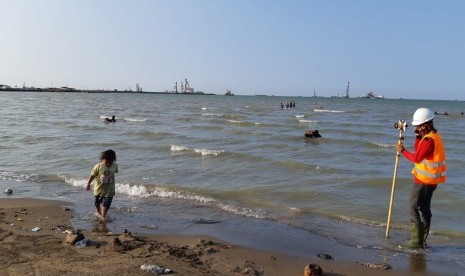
282 106
293 104
104 188
111 120
429 171
312 134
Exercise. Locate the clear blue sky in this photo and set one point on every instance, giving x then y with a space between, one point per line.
410 49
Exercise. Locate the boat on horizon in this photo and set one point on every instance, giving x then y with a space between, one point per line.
371 95
229 93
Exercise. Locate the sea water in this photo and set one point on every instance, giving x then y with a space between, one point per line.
235 167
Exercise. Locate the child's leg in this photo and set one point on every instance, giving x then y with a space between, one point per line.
97 202
106 203
104 212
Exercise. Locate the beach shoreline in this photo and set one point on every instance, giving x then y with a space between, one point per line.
46 253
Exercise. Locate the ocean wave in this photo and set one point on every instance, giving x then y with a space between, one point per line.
30 177
203 152
296 165
247 212
300 116
128 209
132 190
150 134
134 120
243 123
212 114
361 221
185 119
76 182
328 110
166 193
210 127
381 145
6 147
306 121
18 177
37 139
144 191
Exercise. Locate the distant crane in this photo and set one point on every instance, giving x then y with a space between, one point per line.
187 88
175 88
138 88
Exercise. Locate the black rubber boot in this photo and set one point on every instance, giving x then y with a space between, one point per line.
425 234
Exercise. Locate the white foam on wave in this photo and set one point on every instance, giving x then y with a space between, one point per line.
207 108
142 191
162 192
300 116
242 122
306 121
381 145
203 152
212 114
135 120
206 152
178 148
259 214
18 177
327 110
362 221
235 121
76 182
132 190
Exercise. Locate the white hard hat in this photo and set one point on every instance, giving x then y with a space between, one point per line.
422 115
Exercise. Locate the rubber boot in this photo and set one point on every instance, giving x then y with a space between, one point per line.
417 236
425 235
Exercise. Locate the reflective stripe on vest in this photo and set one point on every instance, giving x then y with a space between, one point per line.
433 164
430 175
432 171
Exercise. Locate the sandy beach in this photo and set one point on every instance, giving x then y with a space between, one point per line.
24 251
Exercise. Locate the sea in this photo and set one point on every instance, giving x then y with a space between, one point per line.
239 168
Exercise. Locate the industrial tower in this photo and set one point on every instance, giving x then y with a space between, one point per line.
347 91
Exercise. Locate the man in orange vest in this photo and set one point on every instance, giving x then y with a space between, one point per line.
429 171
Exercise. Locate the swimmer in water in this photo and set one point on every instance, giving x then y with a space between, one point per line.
312 134
111 120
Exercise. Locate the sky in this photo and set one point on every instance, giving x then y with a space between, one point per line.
400 49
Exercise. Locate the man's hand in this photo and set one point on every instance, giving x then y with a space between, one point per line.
399 147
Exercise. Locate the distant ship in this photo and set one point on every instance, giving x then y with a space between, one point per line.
371 95
229 93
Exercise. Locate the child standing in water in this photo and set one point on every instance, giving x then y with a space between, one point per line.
104 188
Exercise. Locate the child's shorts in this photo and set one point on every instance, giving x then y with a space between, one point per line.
105 201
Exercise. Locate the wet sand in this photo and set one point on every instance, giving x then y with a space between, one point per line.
45 252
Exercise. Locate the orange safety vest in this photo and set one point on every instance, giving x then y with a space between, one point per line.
432 170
